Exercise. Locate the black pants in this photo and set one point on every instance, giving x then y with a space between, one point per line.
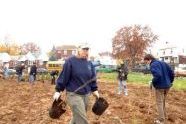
53 80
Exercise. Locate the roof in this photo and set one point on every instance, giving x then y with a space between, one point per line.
66 47
43 57
29 56
168 45
5 57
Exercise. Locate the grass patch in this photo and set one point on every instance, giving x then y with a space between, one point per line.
143 79
180 83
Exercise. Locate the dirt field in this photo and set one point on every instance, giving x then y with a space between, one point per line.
28 104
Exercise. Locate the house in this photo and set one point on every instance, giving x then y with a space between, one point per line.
106 58
42 60
64 51
172 54
13 62
105 54
4 57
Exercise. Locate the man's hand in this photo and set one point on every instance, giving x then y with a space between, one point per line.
96 94
56 95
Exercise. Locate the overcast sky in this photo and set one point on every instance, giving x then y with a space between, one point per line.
57 22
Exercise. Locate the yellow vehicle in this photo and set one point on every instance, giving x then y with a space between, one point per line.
55 65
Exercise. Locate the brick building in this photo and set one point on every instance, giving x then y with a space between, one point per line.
64 51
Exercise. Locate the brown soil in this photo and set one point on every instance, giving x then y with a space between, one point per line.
28 104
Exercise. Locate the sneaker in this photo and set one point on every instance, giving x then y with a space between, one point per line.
126 94
157 122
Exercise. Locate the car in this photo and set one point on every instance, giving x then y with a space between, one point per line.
142 68
11 71
42 70
106 68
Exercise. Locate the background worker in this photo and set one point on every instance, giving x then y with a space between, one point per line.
33 73
5 70
122 70
77 70
163 77
53 75
19 71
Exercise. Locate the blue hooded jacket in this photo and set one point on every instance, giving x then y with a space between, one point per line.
163 75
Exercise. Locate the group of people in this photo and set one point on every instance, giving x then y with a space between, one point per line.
32 71
78 70
163 77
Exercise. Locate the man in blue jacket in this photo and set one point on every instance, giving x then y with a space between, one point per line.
163 77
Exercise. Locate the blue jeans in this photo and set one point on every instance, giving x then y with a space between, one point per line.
31 78
122 86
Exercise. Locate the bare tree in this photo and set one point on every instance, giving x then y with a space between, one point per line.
8 40
131 42
30 46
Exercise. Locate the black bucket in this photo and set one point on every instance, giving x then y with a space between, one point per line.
100 106
58 108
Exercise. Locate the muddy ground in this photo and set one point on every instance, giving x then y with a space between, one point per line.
22 103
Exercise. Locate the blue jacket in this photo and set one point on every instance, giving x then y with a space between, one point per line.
75 73
163 75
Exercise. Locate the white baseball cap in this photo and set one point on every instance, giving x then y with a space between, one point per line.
83 46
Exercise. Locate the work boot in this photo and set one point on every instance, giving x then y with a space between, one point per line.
126 94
